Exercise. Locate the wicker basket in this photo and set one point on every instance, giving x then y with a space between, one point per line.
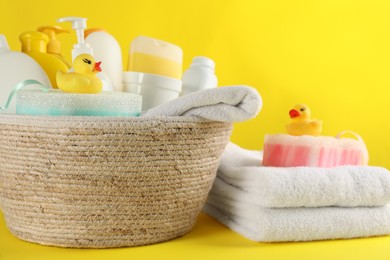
106 182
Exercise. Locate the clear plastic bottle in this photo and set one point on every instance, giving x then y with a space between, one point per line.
200 75
16 67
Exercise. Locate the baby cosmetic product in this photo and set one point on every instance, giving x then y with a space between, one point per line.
78 25
34 44
200 75
79 94
107 50
80 89
154 89
16 67
54 45
82 47
152 56
154 71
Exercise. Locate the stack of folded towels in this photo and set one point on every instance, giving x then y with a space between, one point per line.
272 204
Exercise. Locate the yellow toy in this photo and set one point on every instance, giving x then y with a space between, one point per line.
83 79
301 124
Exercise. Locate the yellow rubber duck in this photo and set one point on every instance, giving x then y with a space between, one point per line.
83 79
301 124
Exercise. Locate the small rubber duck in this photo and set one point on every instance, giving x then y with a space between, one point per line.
83 79
301 123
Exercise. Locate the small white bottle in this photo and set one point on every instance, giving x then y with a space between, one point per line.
200 75
107 50
16 67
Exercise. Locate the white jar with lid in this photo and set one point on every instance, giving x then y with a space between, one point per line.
200 75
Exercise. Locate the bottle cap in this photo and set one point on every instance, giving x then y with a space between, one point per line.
157 47
92 30
54 45
34 41
203 61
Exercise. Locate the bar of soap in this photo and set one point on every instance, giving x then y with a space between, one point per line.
54 102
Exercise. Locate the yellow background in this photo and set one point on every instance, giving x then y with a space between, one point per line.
330 54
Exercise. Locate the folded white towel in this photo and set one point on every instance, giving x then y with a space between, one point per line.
224 104
345 186
300 224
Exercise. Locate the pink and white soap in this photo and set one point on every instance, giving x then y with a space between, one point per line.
283 150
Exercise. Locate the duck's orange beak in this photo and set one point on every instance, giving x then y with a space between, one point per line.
294 113
97 67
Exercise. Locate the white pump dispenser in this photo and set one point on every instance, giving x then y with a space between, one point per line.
78 24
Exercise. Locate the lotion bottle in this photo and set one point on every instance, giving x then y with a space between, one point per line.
34 44
54 45
16 67
107 50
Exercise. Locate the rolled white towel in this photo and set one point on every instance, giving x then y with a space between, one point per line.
345 186
224 104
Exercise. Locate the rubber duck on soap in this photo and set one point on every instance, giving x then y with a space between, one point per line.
301 122
83 79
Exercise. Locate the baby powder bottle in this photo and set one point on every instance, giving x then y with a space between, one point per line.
16 67
200 75
107 50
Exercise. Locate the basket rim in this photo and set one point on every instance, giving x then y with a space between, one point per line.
83 121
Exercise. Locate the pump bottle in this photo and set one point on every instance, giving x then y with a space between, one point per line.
54 45
34 44
79 24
